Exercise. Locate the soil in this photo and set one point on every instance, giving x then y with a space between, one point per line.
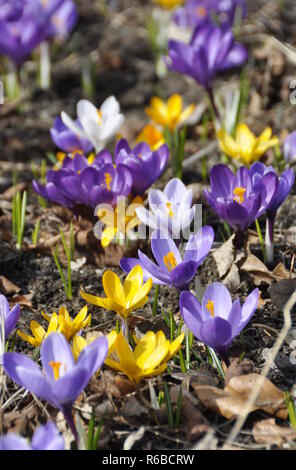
114 40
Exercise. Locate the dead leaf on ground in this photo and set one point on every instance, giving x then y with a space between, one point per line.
268 432
231 263
24 300
7 287
238 368
231 401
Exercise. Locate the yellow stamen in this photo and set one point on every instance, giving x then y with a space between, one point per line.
55 368
169 207
170 261
210 307
239 194
108 179
201 12
100 114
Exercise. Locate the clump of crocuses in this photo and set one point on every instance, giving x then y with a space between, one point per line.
216 321
237 198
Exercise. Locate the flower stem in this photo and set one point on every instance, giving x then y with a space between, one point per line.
126 329
67 412
212 100
260 239
45 66
269 245
155 303
187 349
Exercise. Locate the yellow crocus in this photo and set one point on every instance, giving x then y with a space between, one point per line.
169 114
169 4
149 358
152 136
79 343
39 333
122 299
68 326
120 221
246 147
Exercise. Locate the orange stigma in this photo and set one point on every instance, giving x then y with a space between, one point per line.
170 261
169 207
108 179
100 114
55 368
238 194
210 307
201 12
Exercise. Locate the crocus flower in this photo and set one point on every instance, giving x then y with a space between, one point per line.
19 37
118 222
246 147
284 185
196 12
8 320
170 209
79 182
68 326
67 140
236 199
10 9
46 437
122 299
169 4
212 49
63 20
145 165
97 125
170 114
152 136
39 333
290 148
62 380
217 321
149 358
170 268
79 343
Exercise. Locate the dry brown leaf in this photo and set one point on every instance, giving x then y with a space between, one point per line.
268 432
231 401
24 300
224 257
238 368
281 292
7 287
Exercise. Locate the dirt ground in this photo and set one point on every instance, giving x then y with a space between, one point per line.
112 37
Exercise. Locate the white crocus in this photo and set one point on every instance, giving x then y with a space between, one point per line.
97 125
170 210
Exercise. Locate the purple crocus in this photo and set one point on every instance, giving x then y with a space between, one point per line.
195 12
290 148
145 165
19 37
10 9
67 140
284 185
212 50
46 437
217 321
170 268
79 182
62 18
61 380
236 199
8 320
